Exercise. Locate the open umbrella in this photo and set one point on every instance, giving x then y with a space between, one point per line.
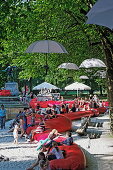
70 66
101 14
84 77
92 63
46 46
100 73
45 85
77 86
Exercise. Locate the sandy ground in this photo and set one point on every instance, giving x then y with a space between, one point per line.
99 152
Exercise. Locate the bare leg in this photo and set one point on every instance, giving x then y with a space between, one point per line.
22 132
16 140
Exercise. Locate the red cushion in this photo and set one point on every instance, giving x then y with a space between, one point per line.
61 123
79 114
37 116
43 104
41 136
5 93
102 109
29 129
75 159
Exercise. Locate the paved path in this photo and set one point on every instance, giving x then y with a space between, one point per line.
99 152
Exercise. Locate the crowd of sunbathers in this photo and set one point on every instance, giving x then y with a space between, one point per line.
51 151
20 122
79 104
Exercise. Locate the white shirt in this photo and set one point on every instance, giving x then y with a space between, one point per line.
58 154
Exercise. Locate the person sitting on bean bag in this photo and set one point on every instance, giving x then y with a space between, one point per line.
56 151
48 140
44 165
69 140
41 156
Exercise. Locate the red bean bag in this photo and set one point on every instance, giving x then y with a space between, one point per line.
79 114
96 112
44 135
37 116
29 129
33 103
61 123
105 103
41 136
44 104
102 109
75 159
5 93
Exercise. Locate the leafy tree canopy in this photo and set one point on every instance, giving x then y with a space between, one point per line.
24 22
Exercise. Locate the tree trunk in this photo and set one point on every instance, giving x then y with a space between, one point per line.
109 63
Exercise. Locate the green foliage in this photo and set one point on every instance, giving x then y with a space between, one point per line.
63 21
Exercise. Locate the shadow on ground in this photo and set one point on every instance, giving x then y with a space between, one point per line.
91 161
15 165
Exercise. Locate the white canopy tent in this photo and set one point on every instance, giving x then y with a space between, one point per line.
77 86
45 85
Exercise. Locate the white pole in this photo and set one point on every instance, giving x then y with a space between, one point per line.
77 92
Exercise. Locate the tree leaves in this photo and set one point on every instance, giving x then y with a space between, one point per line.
62 21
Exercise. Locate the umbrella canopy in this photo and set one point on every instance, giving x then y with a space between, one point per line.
93 62
70 66
84 77
77 86
101 74
45 85
46 46
101 14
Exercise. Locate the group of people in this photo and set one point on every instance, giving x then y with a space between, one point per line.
50 150
51 112
20 124
94 101
79 104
